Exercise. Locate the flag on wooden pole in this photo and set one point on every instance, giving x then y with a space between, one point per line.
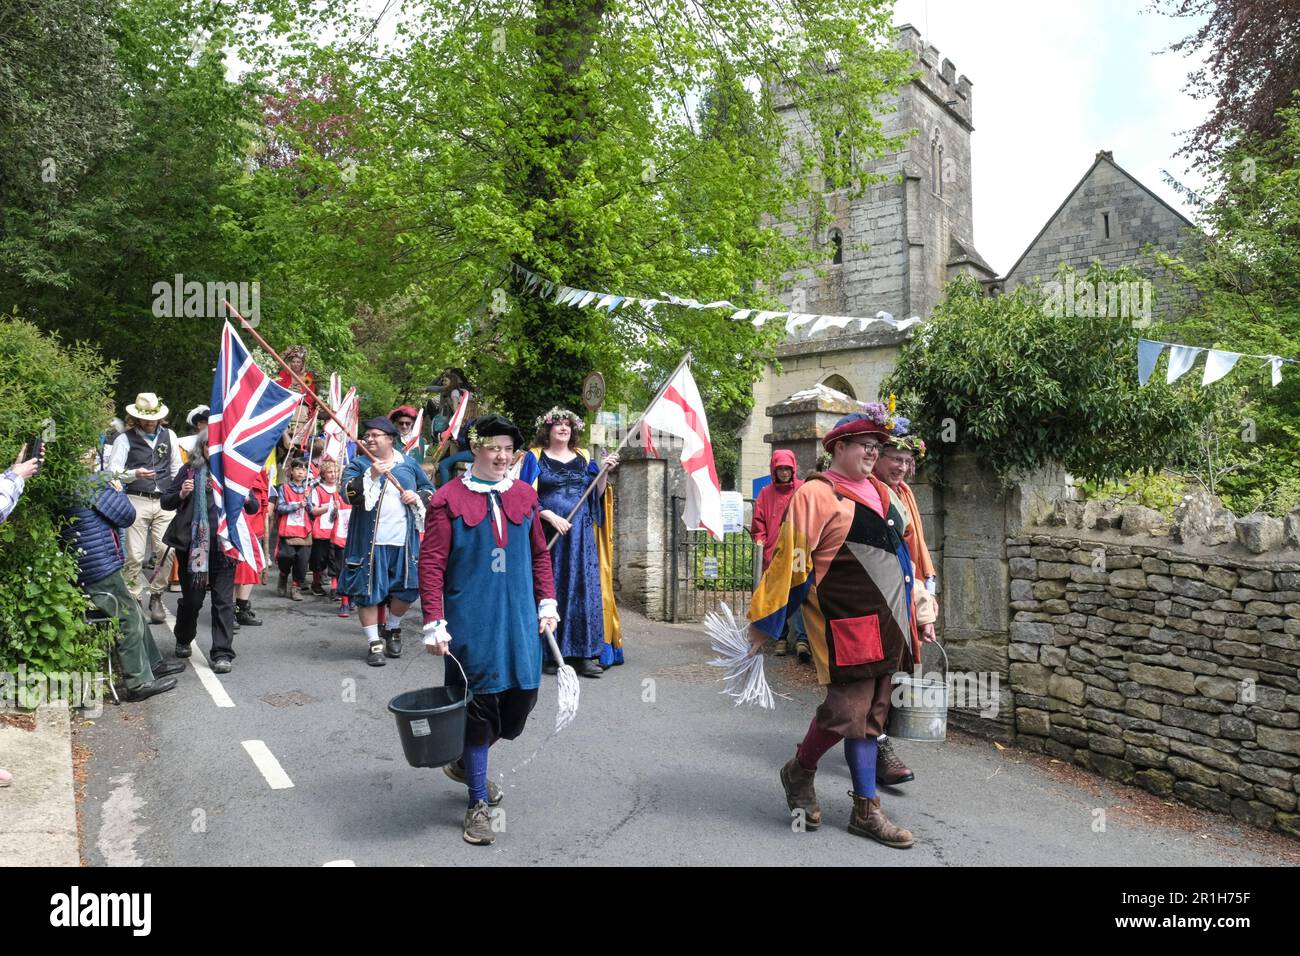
679 411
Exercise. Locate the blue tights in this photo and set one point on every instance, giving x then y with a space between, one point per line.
860 752
476 761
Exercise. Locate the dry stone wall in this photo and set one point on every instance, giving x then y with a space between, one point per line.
1175 670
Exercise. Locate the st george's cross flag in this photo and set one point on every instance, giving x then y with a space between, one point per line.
680 412
249 413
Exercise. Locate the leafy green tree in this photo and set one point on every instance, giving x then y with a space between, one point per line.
44 381
566 136
153 201
1025 385
1248 281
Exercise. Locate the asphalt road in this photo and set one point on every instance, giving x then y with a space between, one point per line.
658 769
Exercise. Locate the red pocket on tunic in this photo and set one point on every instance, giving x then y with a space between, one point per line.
857 640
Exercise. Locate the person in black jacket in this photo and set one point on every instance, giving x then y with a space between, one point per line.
95 529
193 533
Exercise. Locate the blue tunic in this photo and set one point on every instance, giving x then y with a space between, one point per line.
485 587
360 576
574 558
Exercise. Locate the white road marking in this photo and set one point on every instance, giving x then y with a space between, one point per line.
339 863
119 824
266 762
208 679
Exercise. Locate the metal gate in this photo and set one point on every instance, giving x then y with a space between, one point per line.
704 573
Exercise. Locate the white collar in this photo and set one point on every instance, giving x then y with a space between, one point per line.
478 486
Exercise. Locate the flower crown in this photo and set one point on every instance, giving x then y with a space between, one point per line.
912 443
557 415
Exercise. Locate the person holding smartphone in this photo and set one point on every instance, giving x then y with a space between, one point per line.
13 480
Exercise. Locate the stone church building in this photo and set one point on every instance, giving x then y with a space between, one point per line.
919 233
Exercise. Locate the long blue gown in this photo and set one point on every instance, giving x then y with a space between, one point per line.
574 557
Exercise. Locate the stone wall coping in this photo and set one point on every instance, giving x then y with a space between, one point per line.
1232 554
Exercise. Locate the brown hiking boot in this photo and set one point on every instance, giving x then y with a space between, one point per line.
869 821
799 792
295 593
782 648
890 771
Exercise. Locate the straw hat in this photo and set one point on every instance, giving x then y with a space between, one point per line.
147 408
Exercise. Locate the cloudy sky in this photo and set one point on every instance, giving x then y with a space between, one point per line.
1053 82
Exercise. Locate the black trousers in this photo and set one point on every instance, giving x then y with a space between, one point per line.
221 581
326 556
293 558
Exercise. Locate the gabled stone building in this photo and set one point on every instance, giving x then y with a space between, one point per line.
1109 217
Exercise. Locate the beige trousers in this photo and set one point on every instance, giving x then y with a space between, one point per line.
151 522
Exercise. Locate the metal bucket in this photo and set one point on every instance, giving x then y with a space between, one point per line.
919 705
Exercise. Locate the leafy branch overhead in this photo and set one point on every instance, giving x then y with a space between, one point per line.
623 145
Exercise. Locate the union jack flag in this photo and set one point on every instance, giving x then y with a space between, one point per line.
249 413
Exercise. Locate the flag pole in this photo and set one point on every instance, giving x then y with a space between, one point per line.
296 377
604 469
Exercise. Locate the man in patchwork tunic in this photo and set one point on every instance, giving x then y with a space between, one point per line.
841 557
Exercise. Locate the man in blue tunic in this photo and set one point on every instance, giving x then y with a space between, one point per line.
486 593
388 492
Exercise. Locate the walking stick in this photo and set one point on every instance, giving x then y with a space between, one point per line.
162 563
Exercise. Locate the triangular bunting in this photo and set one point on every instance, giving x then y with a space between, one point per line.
1181 358
1218 364
1148 355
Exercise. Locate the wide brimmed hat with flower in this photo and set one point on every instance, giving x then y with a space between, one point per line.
490 426
874 419
147 408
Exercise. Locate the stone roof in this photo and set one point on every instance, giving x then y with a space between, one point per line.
962 252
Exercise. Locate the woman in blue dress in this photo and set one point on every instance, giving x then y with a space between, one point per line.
561 472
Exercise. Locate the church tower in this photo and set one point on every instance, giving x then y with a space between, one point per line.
891 250
919 227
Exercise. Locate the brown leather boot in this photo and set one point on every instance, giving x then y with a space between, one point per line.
869 821
889 769
800 794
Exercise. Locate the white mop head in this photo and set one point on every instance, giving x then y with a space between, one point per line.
744 679
567 678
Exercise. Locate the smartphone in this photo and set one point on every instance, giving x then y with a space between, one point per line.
35 448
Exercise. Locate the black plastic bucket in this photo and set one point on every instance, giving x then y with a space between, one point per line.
431 723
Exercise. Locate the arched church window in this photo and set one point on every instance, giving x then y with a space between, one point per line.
837 247
840 384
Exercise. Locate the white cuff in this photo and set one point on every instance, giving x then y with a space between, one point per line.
547 607
930 583
435 632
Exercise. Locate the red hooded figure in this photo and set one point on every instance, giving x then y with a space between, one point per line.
769 509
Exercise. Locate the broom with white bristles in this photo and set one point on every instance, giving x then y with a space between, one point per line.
743 678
